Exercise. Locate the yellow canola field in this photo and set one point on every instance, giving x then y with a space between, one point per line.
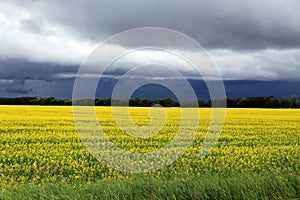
40 145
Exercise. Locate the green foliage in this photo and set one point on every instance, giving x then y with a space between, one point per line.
203 187
247 102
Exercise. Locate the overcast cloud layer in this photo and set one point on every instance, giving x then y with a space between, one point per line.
48 40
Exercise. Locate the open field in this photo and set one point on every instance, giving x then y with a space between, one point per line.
40 148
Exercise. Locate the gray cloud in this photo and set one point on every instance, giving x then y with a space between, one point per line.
14 87
15 69
45 41
31 26
215 24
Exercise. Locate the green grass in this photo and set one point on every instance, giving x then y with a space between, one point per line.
203 187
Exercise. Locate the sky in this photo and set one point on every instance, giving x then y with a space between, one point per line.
43 43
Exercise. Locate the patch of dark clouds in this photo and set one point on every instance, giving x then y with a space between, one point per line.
18 87
16 69
25 78
255 24
12 88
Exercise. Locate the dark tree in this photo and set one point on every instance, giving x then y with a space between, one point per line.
146 103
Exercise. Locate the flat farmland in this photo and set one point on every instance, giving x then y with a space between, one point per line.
39 146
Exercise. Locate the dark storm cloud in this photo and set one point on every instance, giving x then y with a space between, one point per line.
14 87
232 24
15 69
18 87
25 78
42 43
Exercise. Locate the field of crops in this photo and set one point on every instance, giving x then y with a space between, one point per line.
40 145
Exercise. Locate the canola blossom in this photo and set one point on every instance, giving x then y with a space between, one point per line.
40 145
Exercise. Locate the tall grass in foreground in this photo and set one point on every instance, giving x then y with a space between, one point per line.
203 187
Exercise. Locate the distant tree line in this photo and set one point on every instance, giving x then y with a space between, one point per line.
247 102
34 101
